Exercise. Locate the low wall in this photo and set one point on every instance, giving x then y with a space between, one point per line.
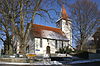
94 56
19 60
92 50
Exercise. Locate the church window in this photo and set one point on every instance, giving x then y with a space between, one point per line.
41 42
37 42
62 44
56 44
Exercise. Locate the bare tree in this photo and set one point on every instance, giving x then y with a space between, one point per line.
5 24
16 16
84 14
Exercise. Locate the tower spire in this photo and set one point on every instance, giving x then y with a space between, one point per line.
64 14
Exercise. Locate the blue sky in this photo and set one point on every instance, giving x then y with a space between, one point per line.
40 21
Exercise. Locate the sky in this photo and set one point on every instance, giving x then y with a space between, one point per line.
40 21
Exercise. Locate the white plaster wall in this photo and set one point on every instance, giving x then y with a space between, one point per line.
18 47
50 43
38 49
45 43
52 46
66 28
65 43
59 43
43 48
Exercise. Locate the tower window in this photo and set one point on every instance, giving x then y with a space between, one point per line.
66 23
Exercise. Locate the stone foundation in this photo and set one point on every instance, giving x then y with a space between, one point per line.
18 60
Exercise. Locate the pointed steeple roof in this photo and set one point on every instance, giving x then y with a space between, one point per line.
64 14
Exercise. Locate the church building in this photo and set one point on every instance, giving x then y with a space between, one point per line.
45 39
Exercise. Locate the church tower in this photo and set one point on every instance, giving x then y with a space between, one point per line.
64 23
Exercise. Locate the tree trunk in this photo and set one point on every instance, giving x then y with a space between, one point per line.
22 49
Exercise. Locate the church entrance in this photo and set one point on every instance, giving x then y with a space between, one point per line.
48 50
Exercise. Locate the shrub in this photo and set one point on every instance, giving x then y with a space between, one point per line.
57 52
82 54
64 50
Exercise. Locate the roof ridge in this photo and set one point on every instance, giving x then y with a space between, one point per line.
47 26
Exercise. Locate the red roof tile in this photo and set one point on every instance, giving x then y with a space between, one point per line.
38 30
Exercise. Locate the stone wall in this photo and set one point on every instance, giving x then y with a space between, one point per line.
94 56
19 60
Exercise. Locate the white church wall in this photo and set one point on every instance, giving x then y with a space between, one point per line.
59 43
42 50
18 45
38 49
65 44
52 46
44 45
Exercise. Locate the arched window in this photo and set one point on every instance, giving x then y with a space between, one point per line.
48 49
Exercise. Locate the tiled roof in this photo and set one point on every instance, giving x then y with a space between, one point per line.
47 32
